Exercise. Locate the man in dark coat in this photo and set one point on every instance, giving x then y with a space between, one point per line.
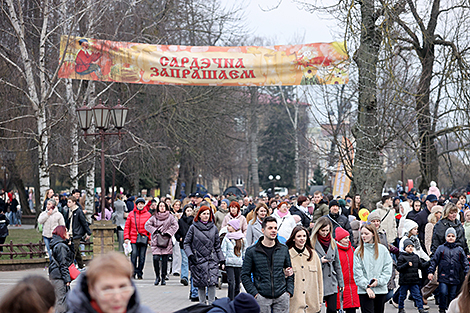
338 220
422 217
265 262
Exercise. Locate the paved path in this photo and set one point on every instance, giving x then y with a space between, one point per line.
161 299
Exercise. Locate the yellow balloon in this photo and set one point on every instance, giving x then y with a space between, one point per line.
363 214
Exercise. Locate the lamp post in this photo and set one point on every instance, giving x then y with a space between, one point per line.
102 115
273 180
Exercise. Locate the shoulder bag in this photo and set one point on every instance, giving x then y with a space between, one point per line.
141 239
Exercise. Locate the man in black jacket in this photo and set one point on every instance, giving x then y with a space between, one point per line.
266 261
78 227
422 217
302 211
338 220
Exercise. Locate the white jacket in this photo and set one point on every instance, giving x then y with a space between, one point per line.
285 224
50 222
388 221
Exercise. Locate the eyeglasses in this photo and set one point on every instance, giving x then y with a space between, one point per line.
123 291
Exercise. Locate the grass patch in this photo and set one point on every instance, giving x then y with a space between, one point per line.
23 236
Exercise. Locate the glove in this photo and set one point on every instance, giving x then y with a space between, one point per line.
192 259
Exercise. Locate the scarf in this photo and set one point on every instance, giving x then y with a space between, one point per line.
281 215
161 216
325 241
235 235
415 241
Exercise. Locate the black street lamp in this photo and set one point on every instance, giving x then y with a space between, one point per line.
102 115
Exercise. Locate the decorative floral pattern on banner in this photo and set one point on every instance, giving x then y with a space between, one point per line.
308 64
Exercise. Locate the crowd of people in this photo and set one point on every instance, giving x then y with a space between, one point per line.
291 254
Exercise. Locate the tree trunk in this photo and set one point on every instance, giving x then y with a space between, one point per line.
368 174
253 138
428 160
296 158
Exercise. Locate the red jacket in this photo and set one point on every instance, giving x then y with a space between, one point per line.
350 296
130 230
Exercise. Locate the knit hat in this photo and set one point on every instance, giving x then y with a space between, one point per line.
139 200
374 215
226 202
235 223
407 243
451 230
333 203
245 303
409 225
340 233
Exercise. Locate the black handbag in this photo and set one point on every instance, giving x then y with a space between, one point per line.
163 240
141 239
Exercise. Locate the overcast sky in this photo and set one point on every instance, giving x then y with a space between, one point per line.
287 24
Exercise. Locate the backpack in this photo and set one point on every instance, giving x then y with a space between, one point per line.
196 308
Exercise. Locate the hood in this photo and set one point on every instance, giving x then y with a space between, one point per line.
225 305
323 201
203 227
131 198
379 205
355 225
225 211
79 298
56 239
344 248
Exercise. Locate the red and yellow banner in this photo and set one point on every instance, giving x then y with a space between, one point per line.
104 60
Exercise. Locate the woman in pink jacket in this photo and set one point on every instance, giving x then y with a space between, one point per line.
234 212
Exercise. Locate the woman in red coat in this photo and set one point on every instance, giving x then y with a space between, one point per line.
135 224
346 257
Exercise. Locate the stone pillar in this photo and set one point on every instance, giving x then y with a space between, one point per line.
103 237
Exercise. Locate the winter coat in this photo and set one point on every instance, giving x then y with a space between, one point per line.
439 234
339 220
355 225
118 216
451 262
231 259
219 217
350 296
77 224
79 300
412 214
304 219
62 257
183 226
130 204
466 227
332 274
253 233
367 268
387 216
50 222
285 224
409 275
240 217
130 230
428 232
321 209
454 305
202 241
422 219
308 277
268 281
165 223
4 222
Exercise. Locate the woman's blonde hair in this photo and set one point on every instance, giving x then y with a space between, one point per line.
373 230
448 208
112 263
260 205
321 223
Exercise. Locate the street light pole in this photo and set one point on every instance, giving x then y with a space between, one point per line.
102 115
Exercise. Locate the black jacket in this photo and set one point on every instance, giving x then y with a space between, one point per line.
409 274
79 224
451 263
422 219
268 281
339 220
4 222
439 234
183 223
304 219
62 257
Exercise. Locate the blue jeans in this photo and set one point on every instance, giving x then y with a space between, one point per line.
13 218
184 265
138 251
193 292
447 293
47 242
415 293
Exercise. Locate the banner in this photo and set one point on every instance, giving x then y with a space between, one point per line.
111 61
342 183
